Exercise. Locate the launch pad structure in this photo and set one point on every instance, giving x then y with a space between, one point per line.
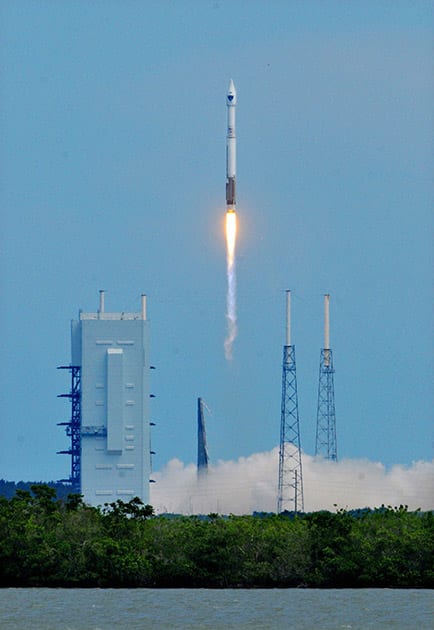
290 484
109 427
326 443
202 450
73 427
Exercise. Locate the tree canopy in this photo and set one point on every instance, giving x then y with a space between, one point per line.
47 541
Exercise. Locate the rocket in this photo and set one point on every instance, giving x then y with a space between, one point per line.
231 148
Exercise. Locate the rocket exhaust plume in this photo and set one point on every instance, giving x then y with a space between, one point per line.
249 484
231 298
231 221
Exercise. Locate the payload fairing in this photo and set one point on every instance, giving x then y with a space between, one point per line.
231 148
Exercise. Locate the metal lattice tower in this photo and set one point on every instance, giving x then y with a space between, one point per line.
290 486
326 445
202 452
73 427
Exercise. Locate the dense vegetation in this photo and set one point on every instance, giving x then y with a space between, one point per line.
8 488
45 541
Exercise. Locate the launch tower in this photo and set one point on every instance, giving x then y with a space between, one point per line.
290 486
110 428
326 445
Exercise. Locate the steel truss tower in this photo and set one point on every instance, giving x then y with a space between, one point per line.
290 486
73 427
326 445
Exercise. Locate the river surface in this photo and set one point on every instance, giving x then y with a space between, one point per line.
78 609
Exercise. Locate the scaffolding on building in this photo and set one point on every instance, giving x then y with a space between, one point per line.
73 427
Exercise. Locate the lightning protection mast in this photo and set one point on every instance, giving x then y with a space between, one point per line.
326 445
290 487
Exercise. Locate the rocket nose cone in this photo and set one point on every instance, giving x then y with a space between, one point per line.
231 97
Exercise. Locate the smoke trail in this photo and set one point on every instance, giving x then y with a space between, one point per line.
231 301
250 483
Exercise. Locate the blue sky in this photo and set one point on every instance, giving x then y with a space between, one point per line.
112 159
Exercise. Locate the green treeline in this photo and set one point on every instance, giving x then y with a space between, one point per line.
8 488
45 541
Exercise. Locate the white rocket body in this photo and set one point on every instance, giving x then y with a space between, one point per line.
231 147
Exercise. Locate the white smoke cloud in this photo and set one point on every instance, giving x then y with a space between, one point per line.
250 484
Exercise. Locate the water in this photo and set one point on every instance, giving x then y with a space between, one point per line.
92 609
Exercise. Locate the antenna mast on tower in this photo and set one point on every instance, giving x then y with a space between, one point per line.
326 445
290 486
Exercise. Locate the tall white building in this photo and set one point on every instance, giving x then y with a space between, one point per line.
112 352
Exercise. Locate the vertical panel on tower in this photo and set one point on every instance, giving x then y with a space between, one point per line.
115 406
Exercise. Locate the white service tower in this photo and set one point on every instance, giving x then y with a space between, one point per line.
112 351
